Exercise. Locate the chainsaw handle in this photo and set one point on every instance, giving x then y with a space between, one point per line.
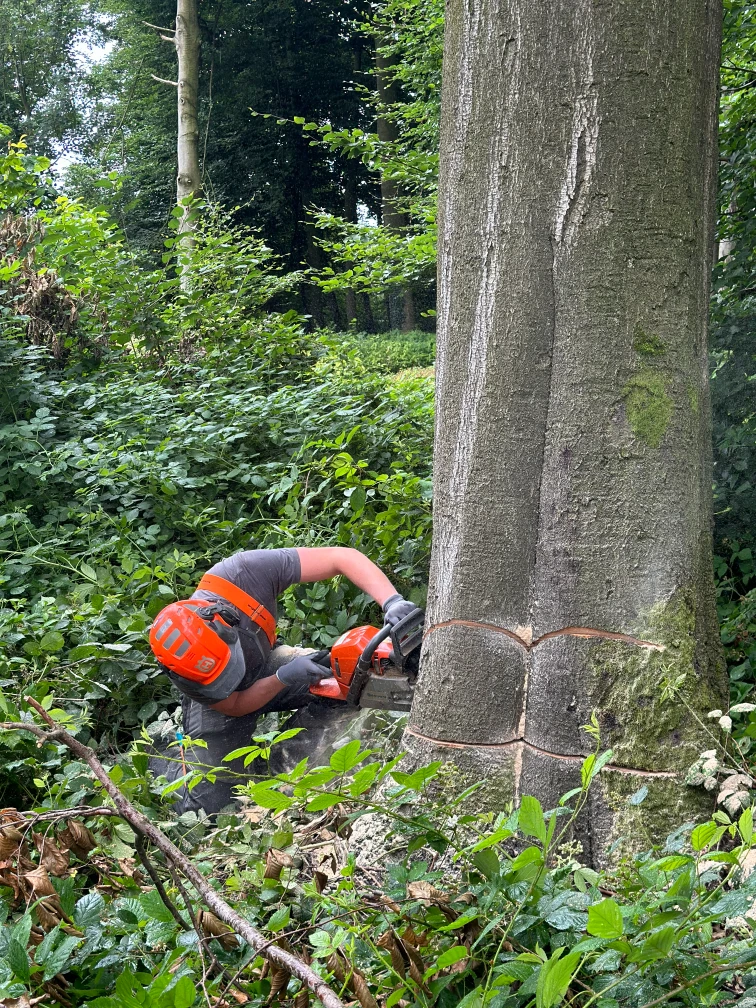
366 658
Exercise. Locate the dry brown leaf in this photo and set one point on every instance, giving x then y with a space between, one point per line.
238 995
10 840
11 815
129 868
388 942
214 927
40 882
279 979
21 1002
11 880
275 862
427 893
47 915
78 838
347 973
51 857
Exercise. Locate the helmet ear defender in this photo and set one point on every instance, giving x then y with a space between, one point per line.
193 639
197 640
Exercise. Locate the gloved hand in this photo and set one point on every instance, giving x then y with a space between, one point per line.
302 671
395 608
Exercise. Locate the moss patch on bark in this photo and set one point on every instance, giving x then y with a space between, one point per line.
648 344
648 406
645 697
667 804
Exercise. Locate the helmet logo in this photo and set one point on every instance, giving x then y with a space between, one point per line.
205 664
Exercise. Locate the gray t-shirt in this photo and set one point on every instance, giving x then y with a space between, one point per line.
263 574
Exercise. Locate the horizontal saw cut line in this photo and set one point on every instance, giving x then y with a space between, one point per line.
522 744
571 631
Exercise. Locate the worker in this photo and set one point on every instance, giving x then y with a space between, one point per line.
219 648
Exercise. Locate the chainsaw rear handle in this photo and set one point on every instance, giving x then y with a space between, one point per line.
366 658
364 666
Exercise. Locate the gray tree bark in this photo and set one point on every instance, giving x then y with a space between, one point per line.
189 178
571 565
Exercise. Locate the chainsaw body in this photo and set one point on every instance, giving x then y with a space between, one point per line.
375 668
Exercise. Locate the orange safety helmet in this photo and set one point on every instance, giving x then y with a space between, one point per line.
197 644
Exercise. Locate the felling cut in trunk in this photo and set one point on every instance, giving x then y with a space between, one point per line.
571 566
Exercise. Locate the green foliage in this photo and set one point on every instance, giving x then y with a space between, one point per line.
733 303
525 925
42 76
383 353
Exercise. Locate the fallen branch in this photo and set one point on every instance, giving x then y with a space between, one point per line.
150 869
141 824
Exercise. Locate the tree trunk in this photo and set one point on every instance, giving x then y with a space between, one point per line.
400 306
571 566
189 180
350 214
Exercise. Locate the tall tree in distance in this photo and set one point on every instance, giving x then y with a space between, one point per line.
401 308
571 567
186 38
188 179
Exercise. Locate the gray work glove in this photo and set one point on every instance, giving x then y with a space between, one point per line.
302 671
395 608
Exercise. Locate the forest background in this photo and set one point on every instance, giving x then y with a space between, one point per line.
283 395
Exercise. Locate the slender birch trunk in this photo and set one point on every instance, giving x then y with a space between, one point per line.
188 180
571 566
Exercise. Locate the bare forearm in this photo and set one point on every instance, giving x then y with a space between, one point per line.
321 563
251 699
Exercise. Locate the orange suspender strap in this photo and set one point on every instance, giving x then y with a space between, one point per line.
249 606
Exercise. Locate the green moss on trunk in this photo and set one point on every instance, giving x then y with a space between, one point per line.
648 406
645 697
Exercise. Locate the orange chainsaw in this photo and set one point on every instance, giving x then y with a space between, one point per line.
372 667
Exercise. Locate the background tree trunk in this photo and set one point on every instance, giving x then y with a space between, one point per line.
400 305
189 179
571 565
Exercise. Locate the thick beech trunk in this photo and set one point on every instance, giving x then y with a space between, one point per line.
187 38
571 565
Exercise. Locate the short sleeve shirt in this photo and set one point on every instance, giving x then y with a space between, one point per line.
264 574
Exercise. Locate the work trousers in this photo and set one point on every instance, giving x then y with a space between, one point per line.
223 734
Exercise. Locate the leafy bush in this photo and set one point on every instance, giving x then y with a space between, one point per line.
389 352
